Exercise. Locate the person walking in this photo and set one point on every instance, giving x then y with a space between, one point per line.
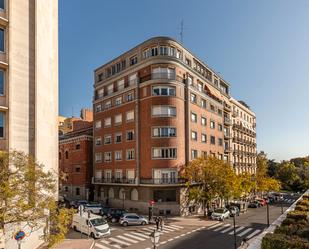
161 223
157 222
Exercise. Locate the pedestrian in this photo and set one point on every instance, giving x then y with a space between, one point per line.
106 201
157 222
161 223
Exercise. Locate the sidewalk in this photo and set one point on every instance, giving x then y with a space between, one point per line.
75 244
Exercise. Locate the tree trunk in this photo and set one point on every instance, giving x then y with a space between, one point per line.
204 208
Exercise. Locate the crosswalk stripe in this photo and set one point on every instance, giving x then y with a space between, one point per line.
254 233
168 229
141 235
101 246
237 230
222 227
244 232
215 225
108 243
134 237
127 239
148 229
175 226
120 241
225 230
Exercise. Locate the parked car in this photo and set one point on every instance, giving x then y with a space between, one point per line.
91 224
261 201
104 211
254 204
234 211
114 214
220 214
94 208
76 204
132 219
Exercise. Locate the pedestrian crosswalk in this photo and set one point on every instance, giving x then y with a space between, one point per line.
131 237
241 231
287 200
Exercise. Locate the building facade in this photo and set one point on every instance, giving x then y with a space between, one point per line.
244 137
156 107
29 86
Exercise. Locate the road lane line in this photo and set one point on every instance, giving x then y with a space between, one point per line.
222 227
108 243
215 225
134 237
127 239
171 228
120 241
101 246
244 232
237 230
141 235
171 225
227 229
252 234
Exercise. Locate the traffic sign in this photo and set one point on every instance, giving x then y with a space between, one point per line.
19 235
151 202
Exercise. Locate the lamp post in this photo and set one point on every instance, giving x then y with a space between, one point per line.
281 206
154 237
235 238
123 197
267 208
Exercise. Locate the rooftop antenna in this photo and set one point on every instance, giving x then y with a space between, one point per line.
181 31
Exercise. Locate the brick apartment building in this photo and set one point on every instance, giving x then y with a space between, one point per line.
75 157
156 107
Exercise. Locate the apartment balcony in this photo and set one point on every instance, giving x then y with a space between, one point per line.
234 114
227 136
114 181
227 121
227 107
163 181
228 149
161 76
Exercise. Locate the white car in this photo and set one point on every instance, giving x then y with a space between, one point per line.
91 224
220 214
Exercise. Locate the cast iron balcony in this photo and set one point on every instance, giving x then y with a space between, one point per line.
115 180
162 181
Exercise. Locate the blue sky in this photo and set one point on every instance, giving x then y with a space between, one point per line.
260 47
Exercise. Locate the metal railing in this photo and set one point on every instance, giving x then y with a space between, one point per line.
162 181
115 180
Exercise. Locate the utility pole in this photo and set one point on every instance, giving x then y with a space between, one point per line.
235 238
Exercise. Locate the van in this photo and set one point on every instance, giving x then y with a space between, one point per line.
91 224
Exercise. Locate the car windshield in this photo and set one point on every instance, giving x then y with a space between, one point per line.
98 222
220 210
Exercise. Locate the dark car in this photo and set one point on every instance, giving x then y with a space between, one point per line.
254 204
114 214
234 211
105 211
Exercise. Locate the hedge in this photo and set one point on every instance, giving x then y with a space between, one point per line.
306 197
298 215
280 241
302 208
303 202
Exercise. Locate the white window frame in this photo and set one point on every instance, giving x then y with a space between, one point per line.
110 122
130 154
118 152
110 157
118 119
165 111
98 124
171 151
128 113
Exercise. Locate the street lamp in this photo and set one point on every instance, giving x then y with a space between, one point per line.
154 237
234 224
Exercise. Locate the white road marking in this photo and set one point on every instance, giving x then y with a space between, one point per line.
169 229
244 232
175 226
237 230
227 229
101 246
134 237
222 227
177 237
120 241
148 229
141 235
171 239
163 242
215 225
254 233
108 243
127 239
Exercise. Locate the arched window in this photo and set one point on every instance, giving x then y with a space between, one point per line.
111 193
122 194
134 195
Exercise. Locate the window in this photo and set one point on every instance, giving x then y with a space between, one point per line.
107 156
212 140
130 135
220 127
98 141
2 83
203 154
98 124
118 101
164 132
163 50
219 112
146 53
98 107
220 141
193 117
203 103
133 60
98 157
107 139
110 89
107 122
212 125
118 138
204 121
118 119
100 77
164 153
107 105
77 168
2 124
2 40
129 97
193 154
132 79
190 80
130 154
163 73
120 85
130 116
77 191
200 87
77 146
118 155
164 111
194 135
154 51
193 98
212 107
163 91
188 62
204 138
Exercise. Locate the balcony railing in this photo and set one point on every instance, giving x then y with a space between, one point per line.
115 180
163 76
162 181
227 121
227 107
234 114
228 149
227 136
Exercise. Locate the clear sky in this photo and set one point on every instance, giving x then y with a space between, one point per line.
260 47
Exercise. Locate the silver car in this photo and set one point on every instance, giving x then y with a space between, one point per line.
132 219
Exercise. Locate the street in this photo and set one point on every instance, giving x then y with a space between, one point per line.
193 233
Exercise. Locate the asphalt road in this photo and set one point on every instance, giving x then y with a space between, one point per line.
220 236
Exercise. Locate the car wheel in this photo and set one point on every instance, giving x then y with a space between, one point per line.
75 229
92 235
125 224
143 223
114 220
